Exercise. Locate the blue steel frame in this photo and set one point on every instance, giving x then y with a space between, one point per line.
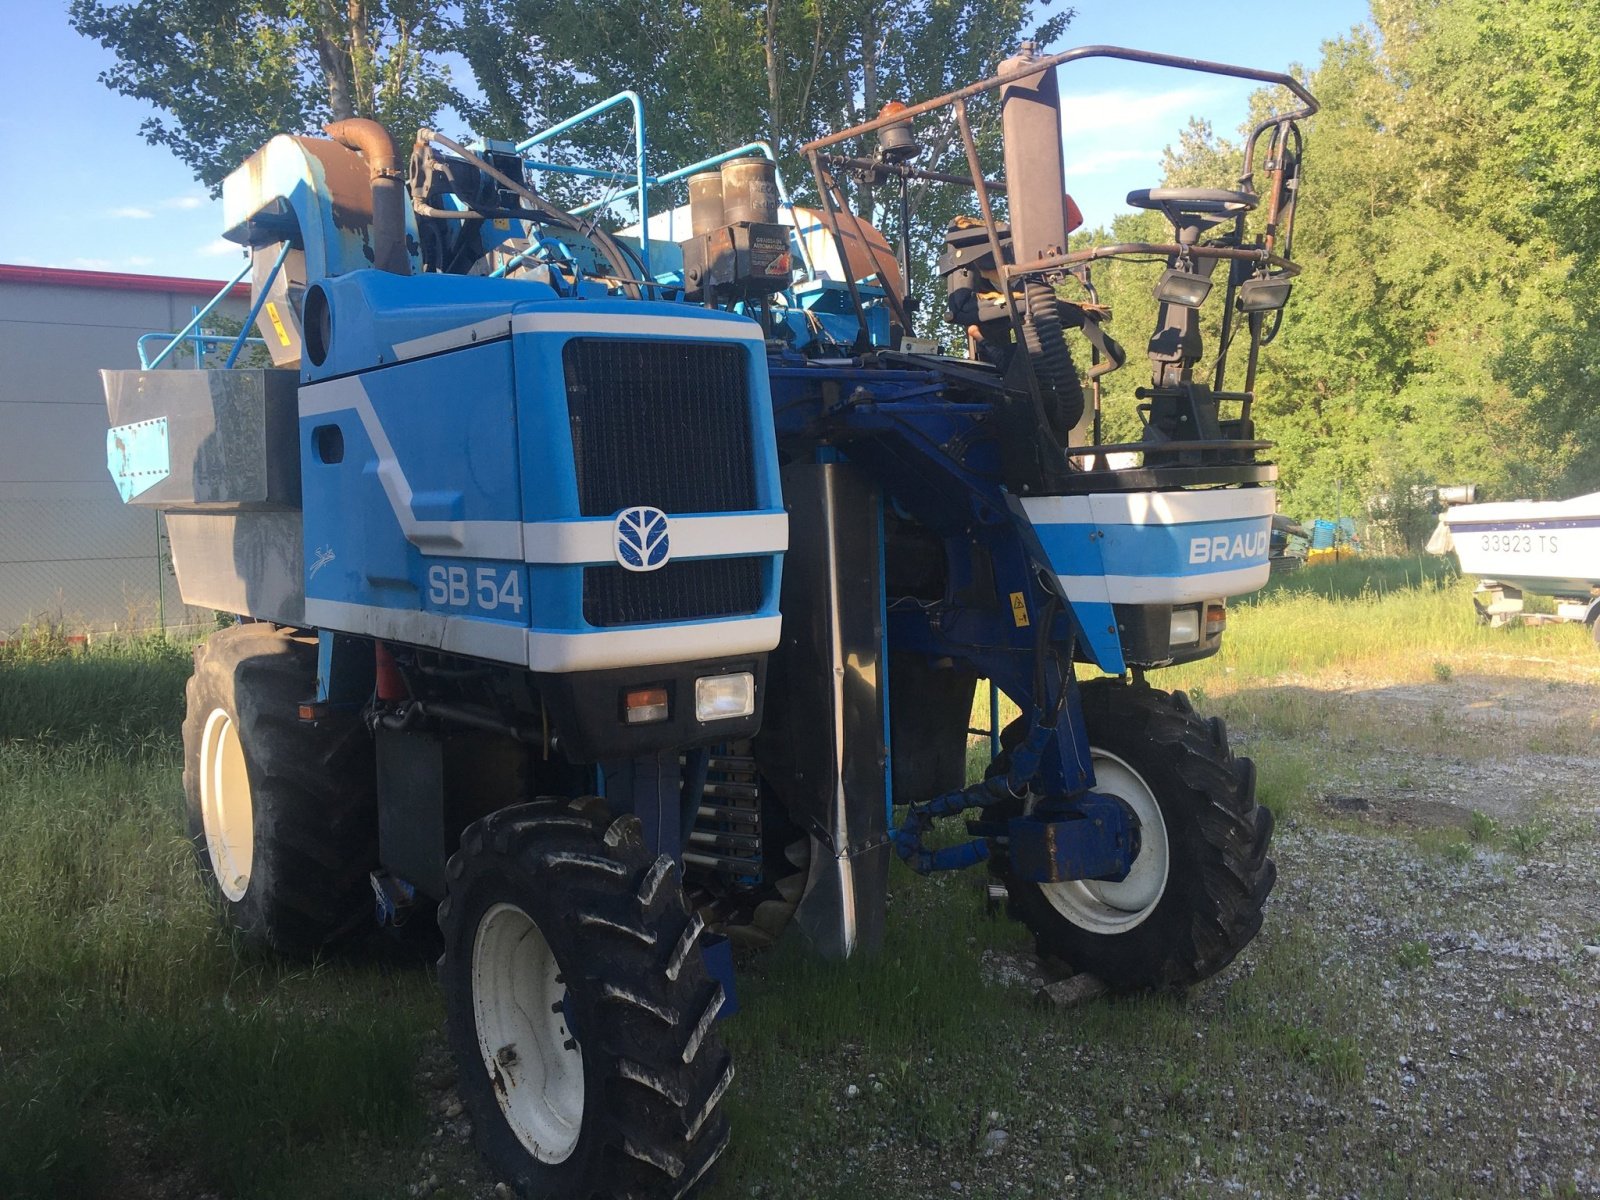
898 425
630 98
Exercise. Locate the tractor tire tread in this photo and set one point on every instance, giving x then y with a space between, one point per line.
660 1124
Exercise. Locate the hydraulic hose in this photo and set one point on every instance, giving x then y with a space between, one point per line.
608 245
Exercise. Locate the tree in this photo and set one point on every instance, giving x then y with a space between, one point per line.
721 72
1446 312
228 74
1447 326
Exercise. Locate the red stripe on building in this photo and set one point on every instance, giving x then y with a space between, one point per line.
117 282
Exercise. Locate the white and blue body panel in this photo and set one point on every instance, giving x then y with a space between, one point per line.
440 477
1160 547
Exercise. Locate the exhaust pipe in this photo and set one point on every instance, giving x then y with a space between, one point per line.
372 141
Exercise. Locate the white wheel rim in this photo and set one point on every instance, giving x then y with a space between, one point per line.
226 811
1112 908
518 1005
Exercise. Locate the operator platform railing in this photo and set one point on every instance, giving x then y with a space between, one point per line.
641 180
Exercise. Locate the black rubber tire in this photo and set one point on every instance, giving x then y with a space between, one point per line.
639 1001
311 791
1045 340
1218 875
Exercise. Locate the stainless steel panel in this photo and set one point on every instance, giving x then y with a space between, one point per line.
821 746
233 436
250 563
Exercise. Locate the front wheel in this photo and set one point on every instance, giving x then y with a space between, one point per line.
578 1008
1194 896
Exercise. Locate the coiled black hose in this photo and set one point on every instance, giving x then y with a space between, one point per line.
1045 341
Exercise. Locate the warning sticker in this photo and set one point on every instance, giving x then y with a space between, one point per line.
1019 610
277 324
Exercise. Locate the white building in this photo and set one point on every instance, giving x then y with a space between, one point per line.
70 552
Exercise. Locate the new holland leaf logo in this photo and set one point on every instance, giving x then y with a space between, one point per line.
641 540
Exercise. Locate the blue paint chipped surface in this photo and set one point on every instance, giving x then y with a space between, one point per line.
137 456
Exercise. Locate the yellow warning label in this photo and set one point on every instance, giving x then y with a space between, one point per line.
277 324
501 223
1019 610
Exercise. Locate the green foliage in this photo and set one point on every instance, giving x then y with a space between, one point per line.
230 75
1445 328
1529 837
1412 955
1443 331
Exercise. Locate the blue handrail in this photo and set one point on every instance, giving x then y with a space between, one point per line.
630 98
190 327
202 340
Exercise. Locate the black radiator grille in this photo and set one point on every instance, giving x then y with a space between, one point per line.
665 424
686 590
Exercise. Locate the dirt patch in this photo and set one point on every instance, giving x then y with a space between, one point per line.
1398 811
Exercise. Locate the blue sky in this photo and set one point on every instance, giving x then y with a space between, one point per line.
97 197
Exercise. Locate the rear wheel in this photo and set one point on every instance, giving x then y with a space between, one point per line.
1193 898
578 1007
280 810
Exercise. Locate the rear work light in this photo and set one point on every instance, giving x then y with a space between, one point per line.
1185 627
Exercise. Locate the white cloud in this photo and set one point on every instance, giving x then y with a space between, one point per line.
91 264
140 260
217 247
132 214
1090 115
1107 162
185 202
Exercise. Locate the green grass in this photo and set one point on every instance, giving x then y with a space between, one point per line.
933 1049
136 1038
1412 615
126 688
1359 576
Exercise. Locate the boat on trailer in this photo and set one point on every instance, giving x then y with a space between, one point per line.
1541 547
